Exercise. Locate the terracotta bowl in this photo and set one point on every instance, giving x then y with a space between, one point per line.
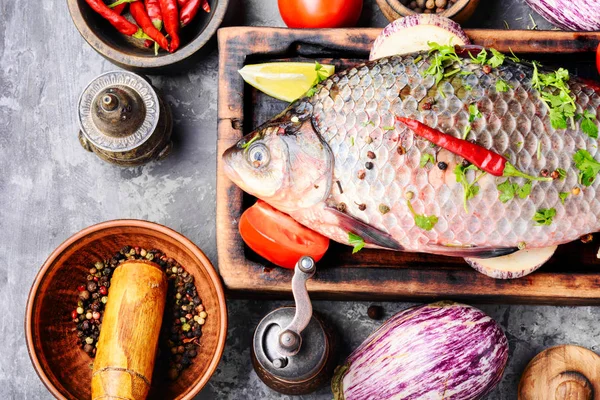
65 368
461 11
130 53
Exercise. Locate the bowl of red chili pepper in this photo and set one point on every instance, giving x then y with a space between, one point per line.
144 35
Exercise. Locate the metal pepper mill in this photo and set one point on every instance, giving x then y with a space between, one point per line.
293 350
123 119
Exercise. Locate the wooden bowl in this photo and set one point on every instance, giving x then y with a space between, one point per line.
461 11
130 53
65 368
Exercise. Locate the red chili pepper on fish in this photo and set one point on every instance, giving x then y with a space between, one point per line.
153 10
170 14
484 159
116 20
140 15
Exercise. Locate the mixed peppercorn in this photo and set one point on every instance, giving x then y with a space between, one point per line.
184 312
429 6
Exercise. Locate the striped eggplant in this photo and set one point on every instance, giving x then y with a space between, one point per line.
443 350
571 15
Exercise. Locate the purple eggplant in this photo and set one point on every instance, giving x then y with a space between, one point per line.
443 350
571 15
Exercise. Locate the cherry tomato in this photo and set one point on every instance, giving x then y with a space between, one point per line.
278 237
598 58
320 13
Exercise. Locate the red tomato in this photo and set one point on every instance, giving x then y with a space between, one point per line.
598 58
278 237
320 13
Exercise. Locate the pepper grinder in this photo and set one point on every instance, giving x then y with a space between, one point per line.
123 120
293 350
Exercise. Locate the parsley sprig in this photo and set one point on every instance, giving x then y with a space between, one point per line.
555 93
426 222
356 242
587 165
502 86
425 158
470 189
588 126
445 56
544 216
507 191
322 74
496 60
473 114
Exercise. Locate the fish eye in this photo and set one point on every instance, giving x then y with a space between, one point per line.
258 155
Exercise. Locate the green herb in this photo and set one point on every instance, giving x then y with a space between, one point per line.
514 57
481 57
506 24
419 58
156 47
388 128
588 126
423 221
322 73
468 87
140 34
511 170
524 190
563 196
470 190
539 150
352 141
558 99
444 57
473 112
368 123
355 241
562 174
497 58
509 190
311 92
534 26
465 73
519 144
467 130
441 92
587 165
544 216
453 72
501 85
247 144
425 158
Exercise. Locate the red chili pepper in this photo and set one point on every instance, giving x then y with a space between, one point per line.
205 6
119 22
153 9
141 17
170 14
189 11
181 3
119 9
482 158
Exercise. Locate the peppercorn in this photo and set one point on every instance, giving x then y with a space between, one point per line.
95 315
89 340
575 191
375 312
369 165
442 165
361 174
587 238
173 373
466 163
102 290
384 209
371 155
341 207
409 195
369 140
85 295
362 207
544 172
487 69
554 174
401 150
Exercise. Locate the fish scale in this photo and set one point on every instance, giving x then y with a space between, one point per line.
327 137
508 118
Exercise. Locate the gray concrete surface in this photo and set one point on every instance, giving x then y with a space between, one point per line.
50 188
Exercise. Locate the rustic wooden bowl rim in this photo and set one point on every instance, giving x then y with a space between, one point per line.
212 273
162 60
401 9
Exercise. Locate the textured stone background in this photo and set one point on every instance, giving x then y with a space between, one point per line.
50 188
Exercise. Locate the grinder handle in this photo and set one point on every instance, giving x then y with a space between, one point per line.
290 338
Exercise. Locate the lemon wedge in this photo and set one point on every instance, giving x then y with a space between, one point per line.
285 80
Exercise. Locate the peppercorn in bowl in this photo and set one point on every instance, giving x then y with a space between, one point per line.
66 304
458 10
125 34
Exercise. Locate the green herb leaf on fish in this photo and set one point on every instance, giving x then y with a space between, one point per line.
311 92
524 190
481 57
539 150
356 242
502 86
426 222
544 216
366 123
425 158
471 189
467 130
511 170
507 191
246 145
587 166
558 98
497 58
468 87
352 141
588 126
562 174
445 56
514 57
474 112
563 196
322 73
388 128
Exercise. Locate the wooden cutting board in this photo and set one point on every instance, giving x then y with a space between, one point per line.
572 276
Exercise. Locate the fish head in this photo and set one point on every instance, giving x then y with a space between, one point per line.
284 162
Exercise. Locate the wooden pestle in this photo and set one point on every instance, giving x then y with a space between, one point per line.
130 329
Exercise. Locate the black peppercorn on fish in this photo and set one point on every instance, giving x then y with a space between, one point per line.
339 163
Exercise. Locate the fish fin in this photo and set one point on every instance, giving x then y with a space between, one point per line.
368 233
469 252
515 265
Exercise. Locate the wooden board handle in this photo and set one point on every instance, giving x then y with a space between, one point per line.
130 330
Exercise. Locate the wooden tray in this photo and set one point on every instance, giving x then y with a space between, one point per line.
571 277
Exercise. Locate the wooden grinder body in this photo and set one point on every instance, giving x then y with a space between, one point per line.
130 330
